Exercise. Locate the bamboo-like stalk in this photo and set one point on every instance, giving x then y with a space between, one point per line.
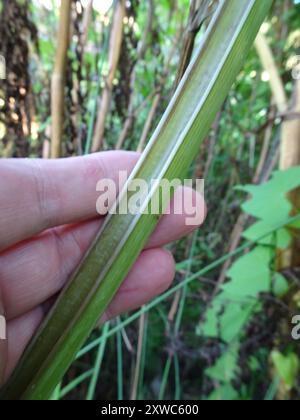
268 62
86 21
290 132
156 101
46 154
142 48
265 147
149 121
93 116
169 155
290 144
81 48
289 157
58 78
136 377
115 44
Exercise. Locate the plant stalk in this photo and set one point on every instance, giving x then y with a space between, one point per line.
58 80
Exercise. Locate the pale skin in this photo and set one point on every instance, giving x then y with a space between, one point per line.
48 219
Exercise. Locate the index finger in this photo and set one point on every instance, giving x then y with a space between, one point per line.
39 194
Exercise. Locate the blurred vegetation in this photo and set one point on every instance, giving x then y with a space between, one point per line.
219 336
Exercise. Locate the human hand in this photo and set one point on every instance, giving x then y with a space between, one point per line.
48 219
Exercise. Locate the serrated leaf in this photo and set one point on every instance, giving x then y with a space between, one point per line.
247 282
269 201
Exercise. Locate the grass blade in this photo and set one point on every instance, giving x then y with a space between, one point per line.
77 381
120 362
98 364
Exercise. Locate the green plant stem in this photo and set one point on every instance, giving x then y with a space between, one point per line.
72 385
120 362
98 363
177 395
164 380
92 120
143 360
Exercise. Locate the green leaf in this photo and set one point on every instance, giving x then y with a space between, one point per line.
226 319
231 310
274 194
270 204
287 367
246 282
224 393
